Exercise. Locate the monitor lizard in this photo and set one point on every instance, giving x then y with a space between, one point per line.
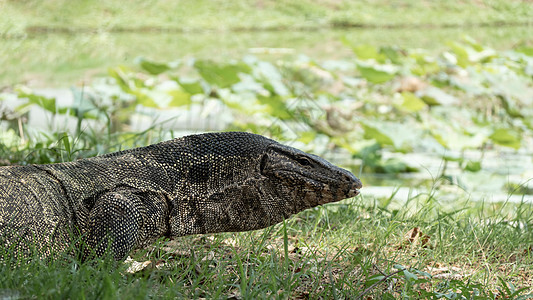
204 183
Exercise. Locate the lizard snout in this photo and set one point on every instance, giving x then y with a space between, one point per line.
354 184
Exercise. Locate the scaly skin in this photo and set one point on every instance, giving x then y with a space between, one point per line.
214 182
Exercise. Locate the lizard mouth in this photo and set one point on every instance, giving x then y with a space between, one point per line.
355 188
353 192
350 190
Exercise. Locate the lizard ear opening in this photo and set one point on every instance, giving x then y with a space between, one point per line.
264 161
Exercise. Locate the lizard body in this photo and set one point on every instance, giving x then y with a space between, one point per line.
206 183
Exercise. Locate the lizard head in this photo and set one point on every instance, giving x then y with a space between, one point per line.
237 181
306 180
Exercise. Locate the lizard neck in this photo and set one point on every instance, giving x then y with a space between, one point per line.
252 204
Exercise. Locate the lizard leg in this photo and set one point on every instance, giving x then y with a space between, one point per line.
114 222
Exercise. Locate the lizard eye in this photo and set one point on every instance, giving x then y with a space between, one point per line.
304 161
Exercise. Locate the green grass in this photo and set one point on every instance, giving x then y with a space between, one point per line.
448 247
251 15
340 250
337 251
